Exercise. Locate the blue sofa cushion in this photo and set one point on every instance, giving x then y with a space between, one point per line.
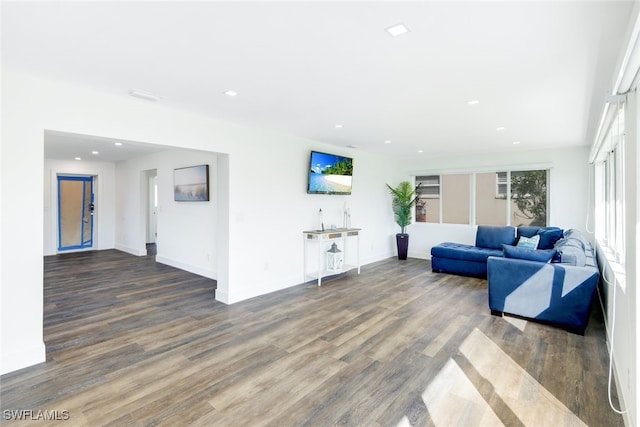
527 231
493 237
548 237
462 252
530 254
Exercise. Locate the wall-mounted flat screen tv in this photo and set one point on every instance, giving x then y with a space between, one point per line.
329 174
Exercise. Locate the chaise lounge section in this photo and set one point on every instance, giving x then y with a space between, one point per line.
467 260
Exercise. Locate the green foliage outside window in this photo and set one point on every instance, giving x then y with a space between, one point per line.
529 192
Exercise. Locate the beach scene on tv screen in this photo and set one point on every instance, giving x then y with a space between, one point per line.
330 173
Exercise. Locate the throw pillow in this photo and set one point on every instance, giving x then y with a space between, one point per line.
528 254
548 237
572 254
529 242
575 234
569 241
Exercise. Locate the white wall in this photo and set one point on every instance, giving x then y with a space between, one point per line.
269 209
568 189
186 230
104 190
630 330
21 290
259 236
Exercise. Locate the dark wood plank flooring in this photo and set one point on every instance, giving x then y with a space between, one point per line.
133 342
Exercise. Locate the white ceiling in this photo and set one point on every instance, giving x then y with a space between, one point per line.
541 70
67 146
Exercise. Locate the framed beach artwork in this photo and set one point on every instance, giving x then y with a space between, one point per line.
191 184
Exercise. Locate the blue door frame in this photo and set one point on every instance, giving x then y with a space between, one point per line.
86 233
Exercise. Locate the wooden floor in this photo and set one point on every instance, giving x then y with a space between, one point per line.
132 342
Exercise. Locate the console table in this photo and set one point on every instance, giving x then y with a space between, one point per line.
320 238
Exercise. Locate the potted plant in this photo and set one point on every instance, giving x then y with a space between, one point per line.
404 199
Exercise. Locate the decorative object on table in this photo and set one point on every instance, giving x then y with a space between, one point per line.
344 216
191 184
404 198
335 258
314 242
321 219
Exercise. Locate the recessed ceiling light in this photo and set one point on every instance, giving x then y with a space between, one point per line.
397 30
387 142
338 126
231 93
500 128
78 158
516 142
118 144
143 95
95 152
420 151
473 102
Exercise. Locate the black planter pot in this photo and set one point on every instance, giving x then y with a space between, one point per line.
402 240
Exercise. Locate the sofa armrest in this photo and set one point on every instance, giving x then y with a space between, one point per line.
554 293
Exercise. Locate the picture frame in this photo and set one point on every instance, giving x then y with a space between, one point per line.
191 184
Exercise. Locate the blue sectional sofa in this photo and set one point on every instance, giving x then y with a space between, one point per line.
559 292
467 260
553 283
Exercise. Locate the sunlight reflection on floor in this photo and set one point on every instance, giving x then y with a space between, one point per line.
452 399
518 323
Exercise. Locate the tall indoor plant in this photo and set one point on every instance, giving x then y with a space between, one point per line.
404 198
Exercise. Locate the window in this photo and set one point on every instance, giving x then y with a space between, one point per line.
428 204
491 205
610 189
529 198
501 185
443 198
498 198
455 200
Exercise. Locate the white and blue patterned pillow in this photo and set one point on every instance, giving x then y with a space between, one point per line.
528 242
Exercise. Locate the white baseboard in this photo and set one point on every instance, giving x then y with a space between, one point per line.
376 258
222 297
130 250
187 267
12 360
419 255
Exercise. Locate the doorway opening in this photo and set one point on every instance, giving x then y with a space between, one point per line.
152 211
